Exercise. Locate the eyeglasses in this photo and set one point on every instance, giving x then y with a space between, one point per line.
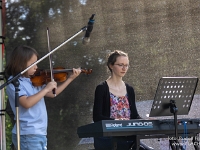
122 65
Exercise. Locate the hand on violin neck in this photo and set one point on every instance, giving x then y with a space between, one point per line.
75 73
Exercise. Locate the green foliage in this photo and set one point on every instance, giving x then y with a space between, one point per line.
9 127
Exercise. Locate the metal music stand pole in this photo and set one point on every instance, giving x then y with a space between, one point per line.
15 78
174 110
16 84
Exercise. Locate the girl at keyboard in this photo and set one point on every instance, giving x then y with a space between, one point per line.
115 100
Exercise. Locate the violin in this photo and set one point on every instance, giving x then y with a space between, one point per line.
43 76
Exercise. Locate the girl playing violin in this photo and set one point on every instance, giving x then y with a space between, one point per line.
32 108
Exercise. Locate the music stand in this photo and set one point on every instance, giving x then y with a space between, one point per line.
174 95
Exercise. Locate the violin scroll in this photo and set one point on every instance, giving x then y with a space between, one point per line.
86 71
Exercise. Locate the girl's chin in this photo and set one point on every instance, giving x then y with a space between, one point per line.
31 75
123 74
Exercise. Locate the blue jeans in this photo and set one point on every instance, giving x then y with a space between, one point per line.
31 142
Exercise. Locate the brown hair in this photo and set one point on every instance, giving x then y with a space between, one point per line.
18 60
112 57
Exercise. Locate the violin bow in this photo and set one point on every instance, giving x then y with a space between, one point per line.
50 61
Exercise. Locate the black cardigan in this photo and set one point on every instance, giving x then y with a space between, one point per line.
101 108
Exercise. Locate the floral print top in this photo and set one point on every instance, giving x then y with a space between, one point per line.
119 107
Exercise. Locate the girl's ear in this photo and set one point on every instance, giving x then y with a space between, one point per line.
110 66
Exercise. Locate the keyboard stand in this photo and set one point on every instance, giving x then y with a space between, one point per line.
114 145
137 143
